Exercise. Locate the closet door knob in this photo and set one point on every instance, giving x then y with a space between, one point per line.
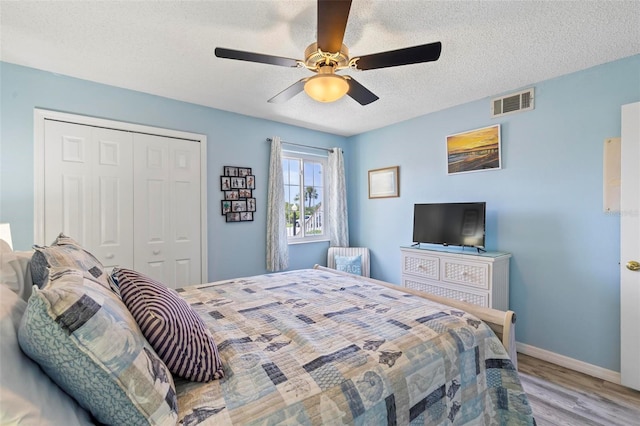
156 252
109 256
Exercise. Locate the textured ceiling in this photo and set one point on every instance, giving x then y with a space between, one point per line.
166 48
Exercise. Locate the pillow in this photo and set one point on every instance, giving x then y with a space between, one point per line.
65 251
351 264
15 272
86 340
175 331
28 395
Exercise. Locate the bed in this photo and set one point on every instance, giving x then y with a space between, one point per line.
317 346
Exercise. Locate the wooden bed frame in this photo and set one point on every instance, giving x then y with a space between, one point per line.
502 323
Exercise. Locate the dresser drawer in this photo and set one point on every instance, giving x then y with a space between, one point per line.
423 266
452 293
465 273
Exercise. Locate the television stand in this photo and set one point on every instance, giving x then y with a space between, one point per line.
480 278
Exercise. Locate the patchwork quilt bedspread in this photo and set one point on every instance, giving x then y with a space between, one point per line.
311 347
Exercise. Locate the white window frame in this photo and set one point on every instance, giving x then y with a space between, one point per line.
322 159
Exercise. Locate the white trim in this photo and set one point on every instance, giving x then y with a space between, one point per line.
38 176
204 234
297 154
39 117
308 241
570 363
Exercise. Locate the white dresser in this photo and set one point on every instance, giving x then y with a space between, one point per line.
478 278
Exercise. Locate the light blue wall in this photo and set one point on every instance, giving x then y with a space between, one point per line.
236 249
544 206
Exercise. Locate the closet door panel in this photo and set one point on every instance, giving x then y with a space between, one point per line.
113 198
185 181
167 209
68 150
153 254
74 209
88 189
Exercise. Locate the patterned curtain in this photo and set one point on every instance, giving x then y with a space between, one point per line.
277 245
339 223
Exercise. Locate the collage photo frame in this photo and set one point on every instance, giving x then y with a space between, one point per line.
237 185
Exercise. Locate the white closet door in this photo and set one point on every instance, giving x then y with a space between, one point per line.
88 189
113 198
184 171
68 151
167 209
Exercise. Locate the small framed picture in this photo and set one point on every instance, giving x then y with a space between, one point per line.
238 182
230 171
245 193
244 171
225 183
226 207
246 216
231 195
251 182
233 217
239 206
251 204
383 183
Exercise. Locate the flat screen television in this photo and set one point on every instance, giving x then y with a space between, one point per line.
450 224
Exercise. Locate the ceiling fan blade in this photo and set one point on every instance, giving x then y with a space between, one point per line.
289 92
359 93
332 21
393 58
240 55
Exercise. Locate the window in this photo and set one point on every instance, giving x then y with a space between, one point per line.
304 195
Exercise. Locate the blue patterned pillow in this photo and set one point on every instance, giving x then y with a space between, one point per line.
350 264
175 331
85 339
66 252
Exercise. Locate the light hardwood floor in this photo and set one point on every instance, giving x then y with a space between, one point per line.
560 397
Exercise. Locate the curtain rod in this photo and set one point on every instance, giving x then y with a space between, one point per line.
299 144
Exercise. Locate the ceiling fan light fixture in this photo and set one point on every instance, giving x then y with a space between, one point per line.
326 87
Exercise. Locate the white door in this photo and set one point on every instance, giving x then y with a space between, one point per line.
167 209
88 189
92 174
630 247
184 172
67 152
112 198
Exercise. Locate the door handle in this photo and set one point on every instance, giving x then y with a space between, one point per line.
109 256
632 265
156 252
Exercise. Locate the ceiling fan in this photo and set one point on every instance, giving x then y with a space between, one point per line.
329 54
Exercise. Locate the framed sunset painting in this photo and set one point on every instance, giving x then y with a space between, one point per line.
474 151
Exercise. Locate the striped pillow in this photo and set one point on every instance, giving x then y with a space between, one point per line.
173 329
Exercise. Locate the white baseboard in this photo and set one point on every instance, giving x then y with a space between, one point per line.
570 363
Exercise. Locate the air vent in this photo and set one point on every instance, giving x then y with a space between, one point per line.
514 102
